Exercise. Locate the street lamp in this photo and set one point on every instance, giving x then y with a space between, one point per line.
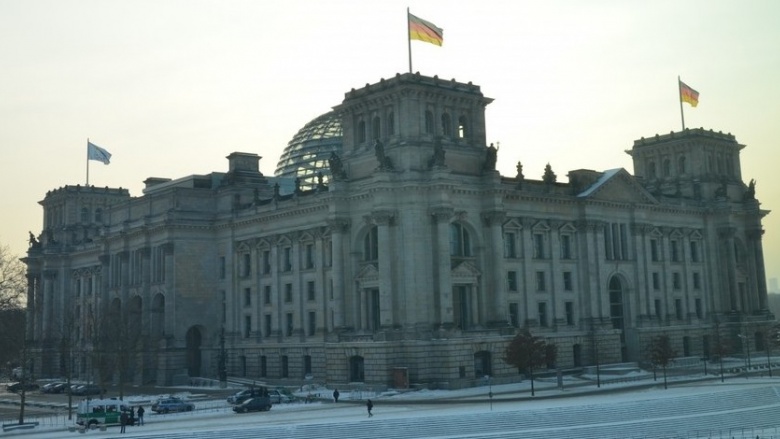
490 392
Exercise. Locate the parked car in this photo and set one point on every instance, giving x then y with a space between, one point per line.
239 397
18 387
85 389
256 404
278 397
172 404
54 387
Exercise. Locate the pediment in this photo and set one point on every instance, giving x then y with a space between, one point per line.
368 273
513 224
465 270
618 185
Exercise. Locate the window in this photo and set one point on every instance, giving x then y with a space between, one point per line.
247 296
696 281
285 367
288 293
566 247
376 131
460 241
428 122
221 267
667 167
370 245
699 310
287 259
538 246
676 283
246 267
266 261
309 255
312 322
361 134
651 169
511 281
654 250
446 125
681 165
84 215
678 309
514 315
542 307
289 324
267 294
658 309
310 292
329 254
616 241
463 131
510 246
567 281
247 326
98 215
390 123
307 365
268 323
263 366
675 250
694 251
656 280
540 286
569 313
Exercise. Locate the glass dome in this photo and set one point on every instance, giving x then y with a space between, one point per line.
308 151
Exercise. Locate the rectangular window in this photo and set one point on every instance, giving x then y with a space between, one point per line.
542 307
287 259
699 309
289 324
266 261
540 286
246 268
158 264
696 281
514 315
694 251
285 367
678 309
569 313
329 254
566 252
310 291
510 246
656 280
654 250
312 322
221 267
247 296
538 246
267 294
676 282
247 326
268 326
309 255
658 310
675 250
511 281
263 366
288 293
567 281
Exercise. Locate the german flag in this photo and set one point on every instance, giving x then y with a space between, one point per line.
422 30
688 95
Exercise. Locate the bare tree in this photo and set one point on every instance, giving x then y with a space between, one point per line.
13 285
661 353
528 352
115 348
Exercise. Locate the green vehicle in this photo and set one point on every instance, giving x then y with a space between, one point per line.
100 411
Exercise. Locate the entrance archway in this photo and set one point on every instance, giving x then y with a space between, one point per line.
194 341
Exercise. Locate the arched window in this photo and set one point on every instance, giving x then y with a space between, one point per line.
463 130
460 240
361 131
356 371
428 122
390 124
681 165
376 132
446 125
651 170
667 168
371 245
84 215
98 215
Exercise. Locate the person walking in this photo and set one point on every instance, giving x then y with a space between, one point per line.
336 395
369 406
140 415
122 421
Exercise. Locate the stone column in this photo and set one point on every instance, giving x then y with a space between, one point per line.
756 246
496 301
338 229
47 307
727 264
383 219
443 299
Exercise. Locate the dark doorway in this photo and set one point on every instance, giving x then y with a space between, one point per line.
194 341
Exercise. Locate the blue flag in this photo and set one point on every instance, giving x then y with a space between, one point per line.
95 152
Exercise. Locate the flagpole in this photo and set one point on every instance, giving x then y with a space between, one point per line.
87 161
679 97
409 38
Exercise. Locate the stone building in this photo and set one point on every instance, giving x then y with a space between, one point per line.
389 251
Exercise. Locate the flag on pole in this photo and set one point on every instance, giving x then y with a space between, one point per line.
422 30
95 152
688 94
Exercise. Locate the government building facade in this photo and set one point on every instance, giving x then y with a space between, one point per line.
388 251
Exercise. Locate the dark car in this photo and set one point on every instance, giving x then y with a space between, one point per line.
86 390
172 404
55 387
18 387
256 404
239 397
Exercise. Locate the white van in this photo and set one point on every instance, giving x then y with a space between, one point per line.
100 411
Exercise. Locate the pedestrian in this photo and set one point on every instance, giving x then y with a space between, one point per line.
122 421
140 415
336 395
369 406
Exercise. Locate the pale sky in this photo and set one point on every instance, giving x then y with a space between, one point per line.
172 87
